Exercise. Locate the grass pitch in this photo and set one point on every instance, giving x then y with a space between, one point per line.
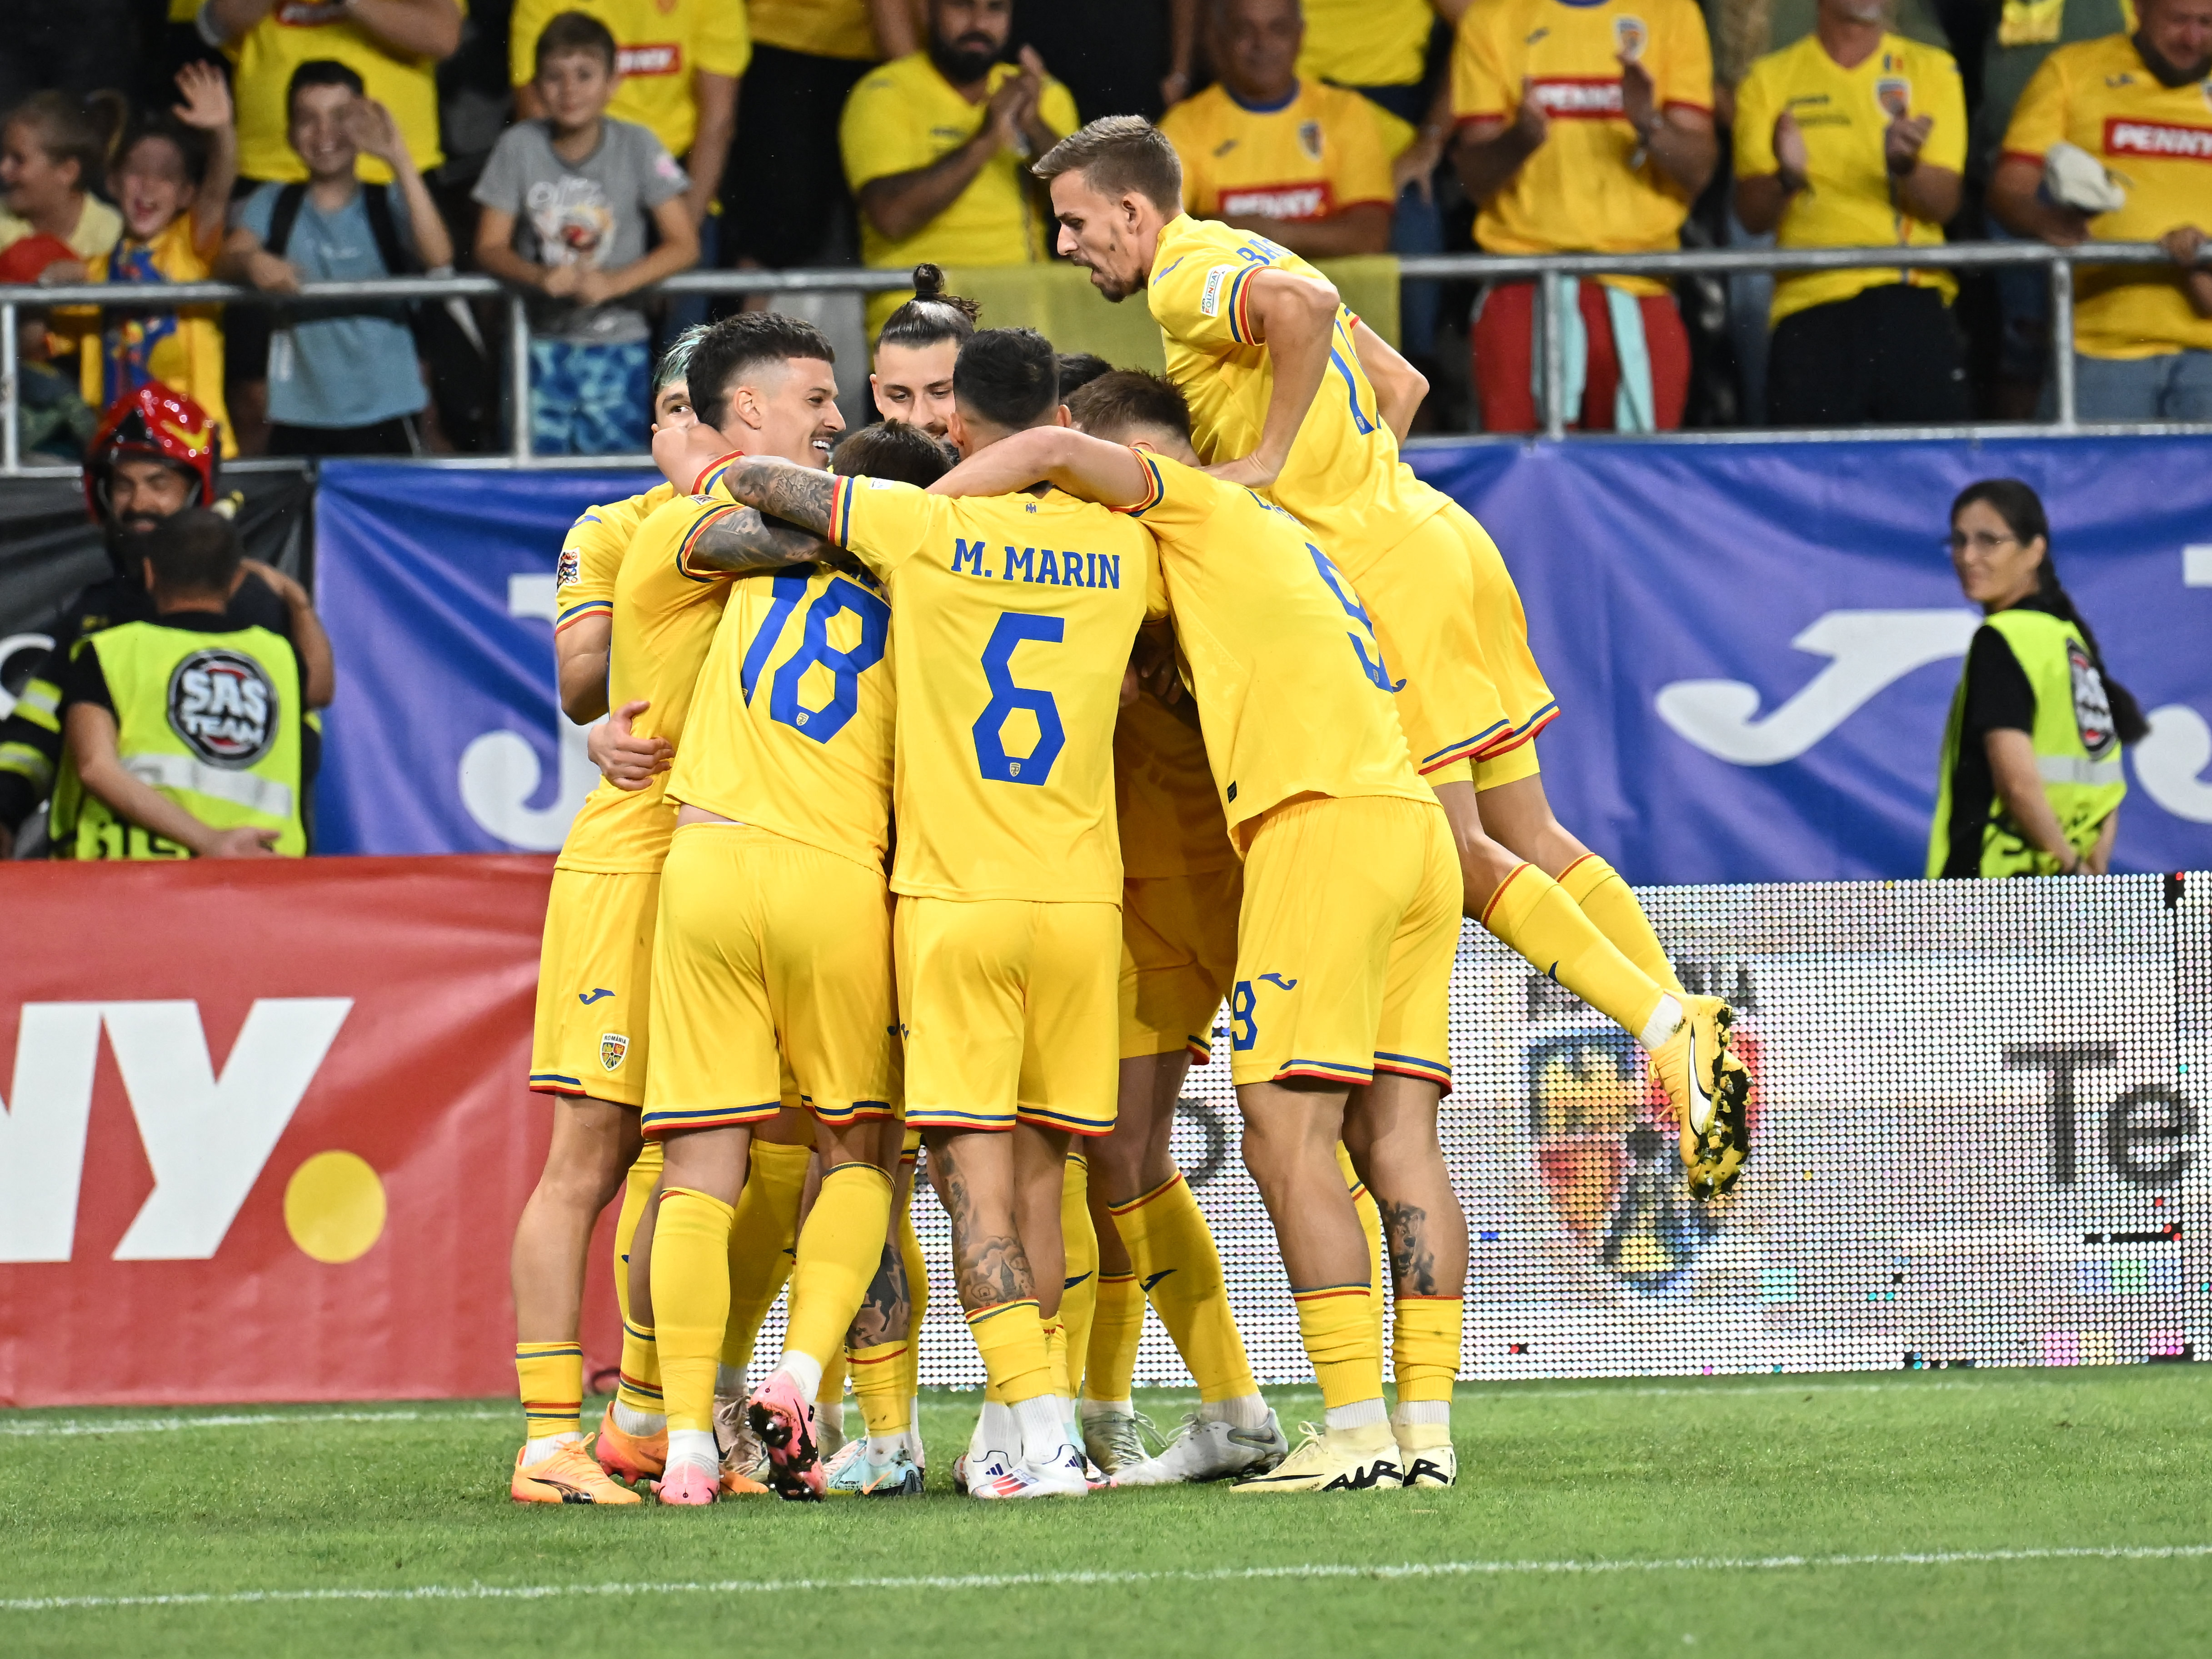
1985 1512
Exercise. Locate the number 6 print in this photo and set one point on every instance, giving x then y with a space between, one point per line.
1013 628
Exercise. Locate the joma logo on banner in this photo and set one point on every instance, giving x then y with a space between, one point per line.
206 1137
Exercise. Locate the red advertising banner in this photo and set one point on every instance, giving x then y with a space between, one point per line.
266 1133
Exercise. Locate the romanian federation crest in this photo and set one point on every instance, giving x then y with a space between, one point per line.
613 1045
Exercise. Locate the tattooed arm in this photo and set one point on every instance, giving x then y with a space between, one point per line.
744 542
799 495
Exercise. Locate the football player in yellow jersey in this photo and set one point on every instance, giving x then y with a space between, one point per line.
595 1136
773 942
1007 935
594 993
912 381
1274 369
1349 924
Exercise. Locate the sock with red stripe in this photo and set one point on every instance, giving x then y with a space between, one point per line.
549 1377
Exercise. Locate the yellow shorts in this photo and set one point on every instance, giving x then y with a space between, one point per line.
594 986
1449 623
769 948
1345 947
1178 955
1008 1007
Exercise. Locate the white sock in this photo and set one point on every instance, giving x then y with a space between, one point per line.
1043 1430
730 1379
1661 1025
829 1413
630 1420
1245 1411
1092 1408
913 1421
882 1448
1359 1414
997 1429
695 1447
805 1370
1411 1411
537 1451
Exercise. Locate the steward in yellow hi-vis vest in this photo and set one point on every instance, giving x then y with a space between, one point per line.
187 735
2031 781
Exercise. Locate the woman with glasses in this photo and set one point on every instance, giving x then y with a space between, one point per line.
2030 781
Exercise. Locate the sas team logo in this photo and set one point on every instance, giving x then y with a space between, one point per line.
2093 708
221 704
613 1045
1629 36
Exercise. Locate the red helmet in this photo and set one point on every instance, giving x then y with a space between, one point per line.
158 424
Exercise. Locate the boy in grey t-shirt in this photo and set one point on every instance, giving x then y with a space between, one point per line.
566 201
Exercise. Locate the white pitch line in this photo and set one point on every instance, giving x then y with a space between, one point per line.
474 1592
73 1426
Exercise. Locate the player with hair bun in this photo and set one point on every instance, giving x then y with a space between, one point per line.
912 379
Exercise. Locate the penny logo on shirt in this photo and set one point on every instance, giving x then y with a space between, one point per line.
1628 35
221 704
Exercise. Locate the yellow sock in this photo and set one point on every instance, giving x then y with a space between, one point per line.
1011 1338
1079 1297
690 1301
917 1286
1531 913
1169 1245
1426 1353
1055 1354
640 1384
1339 1340
840 1248
761 1238
549 1377
1600 893
878 1374
1110 1370
1371 1225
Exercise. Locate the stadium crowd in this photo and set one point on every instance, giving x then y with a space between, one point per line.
583 150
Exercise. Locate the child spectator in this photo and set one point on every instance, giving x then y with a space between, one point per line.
173 185
566 202
343 378
53 147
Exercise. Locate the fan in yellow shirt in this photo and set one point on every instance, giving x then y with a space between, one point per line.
935 144
654 622
1263 150
1349 927
2141 104
1584 126
1276 372
396 51
1009 874
1856 138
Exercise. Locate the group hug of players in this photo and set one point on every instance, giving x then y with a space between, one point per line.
958 771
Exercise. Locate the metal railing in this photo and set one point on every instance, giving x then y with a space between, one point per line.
1553 273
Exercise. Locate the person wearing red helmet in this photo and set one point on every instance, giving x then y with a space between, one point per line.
154 455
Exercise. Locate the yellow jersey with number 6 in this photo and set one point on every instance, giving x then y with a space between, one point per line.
1016 616
790 728
1343 480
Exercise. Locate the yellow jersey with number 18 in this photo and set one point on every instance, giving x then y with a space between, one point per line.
1292 690
664 619
591 554
1343 480
790 728
1016 614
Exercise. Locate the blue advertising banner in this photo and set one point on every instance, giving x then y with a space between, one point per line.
1753 645
437 588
